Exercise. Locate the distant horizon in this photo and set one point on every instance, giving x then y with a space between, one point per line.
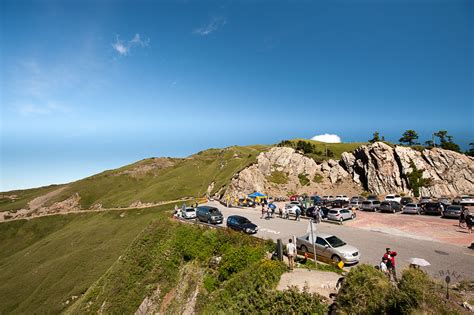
125 163
88 86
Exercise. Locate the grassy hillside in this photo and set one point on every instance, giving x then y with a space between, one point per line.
320 151
45 261
152 180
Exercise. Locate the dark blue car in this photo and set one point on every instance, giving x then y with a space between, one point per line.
239 223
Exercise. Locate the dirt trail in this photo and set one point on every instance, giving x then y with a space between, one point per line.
321 282
2 219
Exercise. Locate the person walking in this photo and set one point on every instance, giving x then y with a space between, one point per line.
263 211
291 252
462 218
390 256
384 268
281 212
297 213
469 222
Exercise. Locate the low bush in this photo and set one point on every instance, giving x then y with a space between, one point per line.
365 290
318 178
278 177
304 181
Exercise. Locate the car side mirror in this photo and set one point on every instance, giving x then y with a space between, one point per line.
327 246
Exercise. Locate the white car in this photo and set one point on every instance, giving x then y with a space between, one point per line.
341 215
467 200
328 246
189 213
412 208
396 198
292 206
342 197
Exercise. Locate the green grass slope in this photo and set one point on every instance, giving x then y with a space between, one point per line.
319 148
151 180
45 261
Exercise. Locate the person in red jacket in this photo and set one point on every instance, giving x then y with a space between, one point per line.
390 255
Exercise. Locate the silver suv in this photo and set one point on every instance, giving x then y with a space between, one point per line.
370 205
209 215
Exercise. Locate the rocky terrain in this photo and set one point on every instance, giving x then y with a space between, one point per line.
377 168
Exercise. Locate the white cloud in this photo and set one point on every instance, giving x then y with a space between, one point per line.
328 138
213 26
42 109
124 47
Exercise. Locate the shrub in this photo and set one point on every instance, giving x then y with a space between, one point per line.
278 177
292 301
318 178
304 181
416 180
366 290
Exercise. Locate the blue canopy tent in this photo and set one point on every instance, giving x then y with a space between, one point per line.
256 194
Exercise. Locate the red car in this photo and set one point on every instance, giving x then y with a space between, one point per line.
294 198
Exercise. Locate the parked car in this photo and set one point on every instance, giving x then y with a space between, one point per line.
452 211
446 201
406 200
209 214
239 223
372 198
389 206
412 208
341 215
310 212
328 246
292 206
396 198
370 205
356 202
466 200
338 203
342 197
246 202
432 208
424 200
189 213
294 198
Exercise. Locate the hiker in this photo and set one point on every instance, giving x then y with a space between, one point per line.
263 211
196 205
291 252
469 221
317 216
462 218
285 214
390 256
281 212
298 213
384 268
273 212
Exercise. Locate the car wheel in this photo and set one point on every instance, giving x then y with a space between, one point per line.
393 210
209 221
353 216
304 249
336 258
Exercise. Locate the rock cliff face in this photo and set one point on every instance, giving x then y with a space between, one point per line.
381 169
377 168
326 178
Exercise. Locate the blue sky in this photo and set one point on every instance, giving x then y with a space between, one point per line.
93 85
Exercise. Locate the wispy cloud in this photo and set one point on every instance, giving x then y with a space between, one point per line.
213 26
123 47
42 108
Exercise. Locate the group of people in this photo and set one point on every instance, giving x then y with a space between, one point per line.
387 265
466 220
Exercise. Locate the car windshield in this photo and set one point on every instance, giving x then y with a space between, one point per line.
213 211
333 212
389 197
335 241
376 202
411 205
243 220
189 210
454 208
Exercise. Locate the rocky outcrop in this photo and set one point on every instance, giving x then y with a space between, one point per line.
327 177
382 169
378 168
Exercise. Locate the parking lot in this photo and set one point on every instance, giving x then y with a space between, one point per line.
371 233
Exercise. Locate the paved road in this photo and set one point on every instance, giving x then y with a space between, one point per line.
371 244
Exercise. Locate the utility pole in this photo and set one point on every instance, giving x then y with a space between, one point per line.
314 243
